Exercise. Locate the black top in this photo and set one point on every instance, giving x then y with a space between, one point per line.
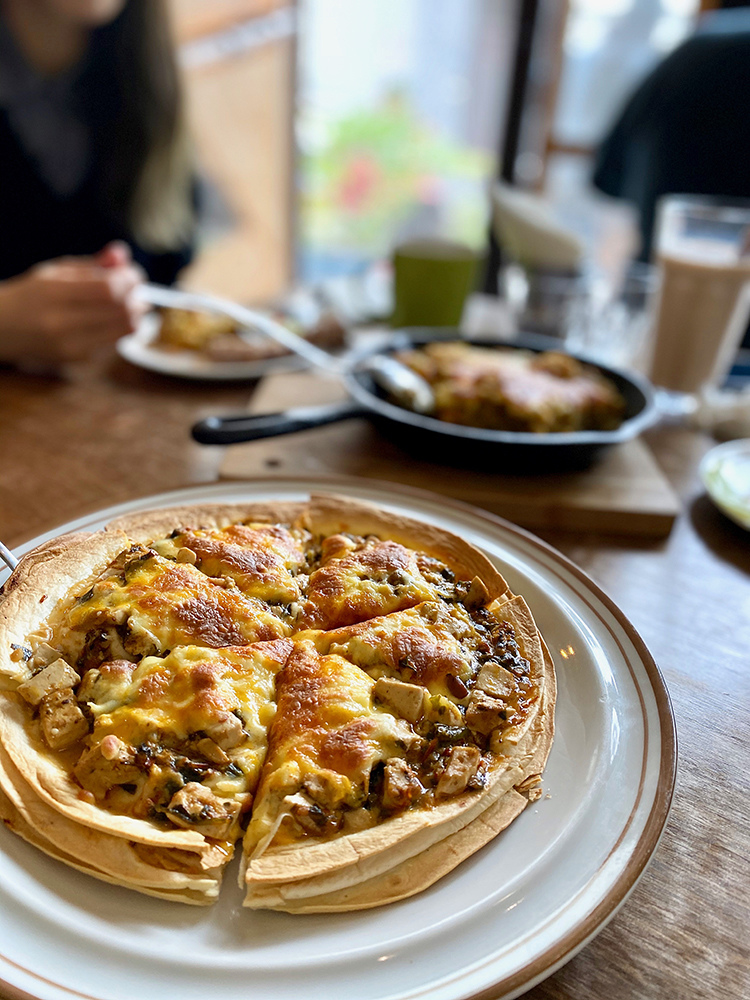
686 129
37 221
37 224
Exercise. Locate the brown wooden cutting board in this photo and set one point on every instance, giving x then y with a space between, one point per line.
624 493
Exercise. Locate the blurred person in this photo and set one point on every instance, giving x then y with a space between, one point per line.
686 128
96 177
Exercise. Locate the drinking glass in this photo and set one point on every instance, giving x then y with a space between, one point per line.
703 256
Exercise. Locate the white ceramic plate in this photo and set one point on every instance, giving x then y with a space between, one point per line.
138 348
725 471
506 918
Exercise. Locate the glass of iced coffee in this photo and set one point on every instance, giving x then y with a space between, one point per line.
703 304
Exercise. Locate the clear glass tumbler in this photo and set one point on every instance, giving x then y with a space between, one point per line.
703 255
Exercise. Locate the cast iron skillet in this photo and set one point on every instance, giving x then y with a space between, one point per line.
437 440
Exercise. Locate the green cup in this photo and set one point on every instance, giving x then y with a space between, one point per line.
432 279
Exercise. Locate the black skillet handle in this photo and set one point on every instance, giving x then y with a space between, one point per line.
253 427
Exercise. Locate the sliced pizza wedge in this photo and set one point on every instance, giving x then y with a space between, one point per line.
166 753
369 884
466 750
326 739
261 549
365 569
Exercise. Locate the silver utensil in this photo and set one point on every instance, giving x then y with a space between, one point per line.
7 557
406 387
157 295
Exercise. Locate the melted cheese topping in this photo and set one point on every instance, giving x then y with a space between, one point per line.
156 604
199 692
262 559
189 691
376 579
325 727
163 710
423 645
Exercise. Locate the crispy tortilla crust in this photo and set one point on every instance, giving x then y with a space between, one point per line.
42 553
404 879
145 527
40 801
341 861
14 820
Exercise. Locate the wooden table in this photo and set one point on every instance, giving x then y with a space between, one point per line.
111 433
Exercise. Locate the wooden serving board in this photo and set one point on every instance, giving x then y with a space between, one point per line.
625 492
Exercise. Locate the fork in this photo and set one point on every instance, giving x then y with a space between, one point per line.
158 295
7 557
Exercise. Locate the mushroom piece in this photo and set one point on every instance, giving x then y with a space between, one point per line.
406 700
313 818
63 723
57 675
459 770
211 751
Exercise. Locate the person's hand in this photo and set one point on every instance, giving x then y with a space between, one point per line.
63 309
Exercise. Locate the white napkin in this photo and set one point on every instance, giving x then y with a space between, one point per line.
527 229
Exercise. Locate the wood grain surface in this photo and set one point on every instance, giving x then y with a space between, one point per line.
111 432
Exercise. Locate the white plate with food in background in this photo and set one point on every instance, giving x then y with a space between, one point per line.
503 920
202 347
725 472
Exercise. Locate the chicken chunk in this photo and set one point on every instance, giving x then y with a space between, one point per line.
496 680
227 733
484 713
105 765
477 595
406 700
313 818
44 654
63 723
327 788
109 680
195 807
401 786
459 770
56 676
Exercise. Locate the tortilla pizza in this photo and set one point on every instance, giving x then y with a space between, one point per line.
354 697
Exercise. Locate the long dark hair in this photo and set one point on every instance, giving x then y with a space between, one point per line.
132 85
